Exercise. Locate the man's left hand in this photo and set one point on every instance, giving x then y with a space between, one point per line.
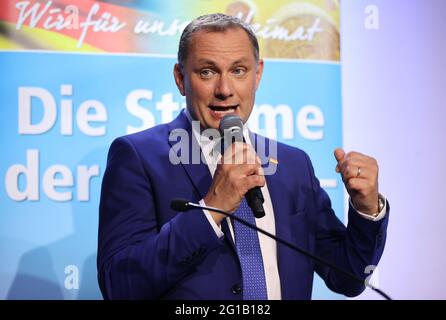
360 175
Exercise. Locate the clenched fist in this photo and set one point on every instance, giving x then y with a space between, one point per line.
360 175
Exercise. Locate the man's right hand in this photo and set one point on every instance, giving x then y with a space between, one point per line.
238 171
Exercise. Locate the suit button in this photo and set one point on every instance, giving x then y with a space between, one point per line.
236 289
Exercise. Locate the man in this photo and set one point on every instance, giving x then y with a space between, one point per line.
149 251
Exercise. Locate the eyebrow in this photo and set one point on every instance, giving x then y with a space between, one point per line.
212 63
206 62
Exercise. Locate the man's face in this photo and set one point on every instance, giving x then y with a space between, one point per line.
220 76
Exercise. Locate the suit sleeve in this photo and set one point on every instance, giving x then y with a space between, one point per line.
353 248
138 258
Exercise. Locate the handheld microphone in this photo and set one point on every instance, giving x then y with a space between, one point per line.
185 205
231 129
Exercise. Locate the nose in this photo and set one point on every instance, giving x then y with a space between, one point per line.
224 88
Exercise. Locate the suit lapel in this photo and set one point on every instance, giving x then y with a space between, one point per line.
197 171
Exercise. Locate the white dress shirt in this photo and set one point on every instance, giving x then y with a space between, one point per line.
268 246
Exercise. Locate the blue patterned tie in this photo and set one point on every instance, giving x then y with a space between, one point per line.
248 250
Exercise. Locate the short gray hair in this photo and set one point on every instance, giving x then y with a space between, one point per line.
215 22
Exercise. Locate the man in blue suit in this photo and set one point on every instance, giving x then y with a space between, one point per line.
149 251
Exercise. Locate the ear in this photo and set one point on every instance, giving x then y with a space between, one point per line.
179 78
259 72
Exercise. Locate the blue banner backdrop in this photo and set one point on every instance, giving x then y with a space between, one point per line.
59 114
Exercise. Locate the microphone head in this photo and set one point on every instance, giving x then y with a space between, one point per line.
231 130
179 205
230 121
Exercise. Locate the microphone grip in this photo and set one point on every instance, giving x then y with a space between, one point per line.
255 200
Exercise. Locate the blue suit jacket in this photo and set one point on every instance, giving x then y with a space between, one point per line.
148 251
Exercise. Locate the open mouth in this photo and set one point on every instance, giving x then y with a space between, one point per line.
223 109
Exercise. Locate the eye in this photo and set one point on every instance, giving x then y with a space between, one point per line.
206 73
239 71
